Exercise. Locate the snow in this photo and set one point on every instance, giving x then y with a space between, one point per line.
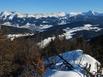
45 26
13 36
88 25
39 15
85 58
70 56
12 25
30 15
71 14
77 59
11 16
56 73
44 22
5 15
59 14
21 15
90 13
70 32
40 28
25 26
7 23
62 22
45 42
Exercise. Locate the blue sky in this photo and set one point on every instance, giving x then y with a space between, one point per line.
39 6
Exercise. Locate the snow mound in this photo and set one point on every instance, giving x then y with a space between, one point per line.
87 59
55 73
88 25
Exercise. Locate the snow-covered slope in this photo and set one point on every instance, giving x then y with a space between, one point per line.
45 42
87 59
56 73
69 32
13 36
77 59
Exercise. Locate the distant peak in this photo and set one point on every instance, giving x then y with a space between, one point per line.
90 12
6 12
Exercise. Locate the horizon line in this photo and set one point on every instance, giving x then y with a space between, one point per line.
25 12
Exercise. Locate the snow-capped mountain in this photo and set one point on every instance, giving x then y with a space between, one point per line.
8 14
86 24
31 21
19 19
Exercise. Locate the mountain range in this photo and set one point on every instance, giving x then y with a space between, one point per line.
87 24
27 20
